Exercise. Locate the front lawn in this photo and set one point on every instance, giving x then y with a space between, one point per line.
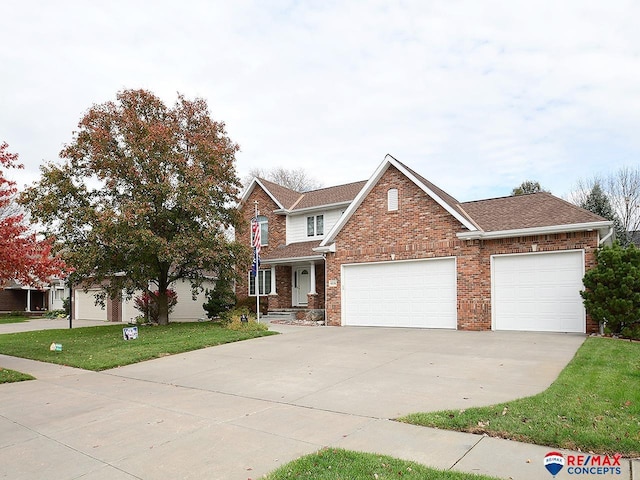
100 348
10 376
335 463
594 405
10 318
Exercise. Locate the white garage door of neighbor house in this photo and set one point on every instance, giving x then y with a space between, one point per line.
538 292
86 308
419 293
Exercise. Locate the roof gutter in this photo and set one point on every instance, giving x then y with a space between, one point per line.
269 261
319 208
325 248
525 232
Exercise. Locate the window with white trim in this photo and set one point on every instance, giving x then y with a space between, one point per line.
264 231
264 281
392 200
315 226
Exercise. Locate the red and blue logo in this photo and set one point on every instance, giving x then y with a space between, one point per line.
553 462
583 464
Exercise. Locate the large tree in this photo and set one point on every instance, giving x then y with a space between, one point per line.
23 257
622 189
598 202
527 187
143 196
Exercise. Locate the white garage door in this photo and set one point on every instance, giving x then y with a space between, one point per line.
538 292
418 293
86 309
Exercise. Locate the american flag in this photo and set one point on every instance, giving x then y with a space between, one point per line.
255 234
256 244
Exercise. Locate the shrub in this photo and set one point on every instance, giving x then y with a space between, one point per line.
250 304
56 314
66 306
220 299
147 303
232 320
250 326
612 289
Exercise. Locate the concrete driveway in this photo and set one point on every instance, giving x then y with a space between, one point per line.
240 410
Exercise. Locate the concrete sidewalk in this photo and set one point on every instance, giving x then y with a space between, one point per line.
240 410
41 323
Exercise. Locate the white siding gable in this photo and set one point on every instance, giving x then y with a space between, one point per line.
297 224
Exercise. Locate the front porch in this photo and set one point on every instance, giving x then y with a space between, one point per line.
293 289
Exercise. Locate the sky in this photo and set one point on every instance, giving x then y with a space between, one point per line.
476 96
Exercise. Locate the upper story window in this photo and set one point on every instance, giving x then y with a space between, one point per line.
315 225
392 200
264 230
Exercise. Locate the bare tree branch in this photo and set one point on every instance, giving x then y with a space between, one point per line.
294 178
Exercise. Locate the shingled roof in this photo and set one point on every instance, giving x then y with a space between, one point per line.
292 200
293 250
330 196
283 195
526 211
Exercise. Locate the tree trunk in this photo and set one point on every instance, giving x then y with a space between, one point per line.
163 308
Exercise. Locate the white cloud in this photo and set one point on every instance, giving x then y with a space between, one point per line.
476 96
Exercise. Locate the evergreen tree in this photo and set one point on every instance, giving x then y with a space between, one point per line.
527 187
612 289
598 202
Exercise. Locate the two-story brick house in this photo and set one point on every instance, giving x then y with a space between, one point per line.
397 250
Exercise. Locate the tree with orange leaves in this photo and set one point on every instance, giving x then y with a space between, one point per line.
143 197
23 257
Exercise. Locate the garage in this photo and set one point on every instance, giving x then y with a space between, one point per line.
538 292
86 308
419 293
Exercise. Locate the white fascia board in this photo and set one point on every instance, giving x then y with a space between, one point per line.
389 160
280 261
463 220
250 188
319 208
325 249
526 232
356 202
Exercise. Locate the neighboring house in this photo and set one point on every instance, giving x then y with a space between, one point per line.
634 238
17 297
123 309
397 250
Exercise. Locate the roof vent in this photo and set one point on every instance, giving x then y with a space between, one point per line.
392 200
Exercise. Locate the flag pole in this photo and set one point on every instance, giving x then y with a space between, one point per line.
257 279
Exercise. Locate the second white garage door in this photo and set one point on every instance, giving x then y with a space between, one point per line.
538 292
86 308
419 293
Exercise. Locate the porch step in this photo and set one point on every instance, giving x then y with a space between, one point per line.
284 315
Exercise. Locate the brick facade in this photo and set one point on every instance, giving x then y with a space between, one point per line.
422 229
277 238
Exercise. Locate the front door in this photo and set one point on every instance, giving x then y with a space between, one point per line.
301 287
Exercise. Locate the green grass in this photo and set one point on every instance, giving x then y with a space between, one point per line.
594 405
10 376
333 463
102 347
8 318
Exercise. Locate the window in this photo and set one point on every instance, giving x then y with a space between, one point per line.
392 200
264 280
264 231
315 226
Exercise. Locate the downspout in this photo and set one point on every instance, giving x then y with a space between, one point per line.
606 237
326 315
